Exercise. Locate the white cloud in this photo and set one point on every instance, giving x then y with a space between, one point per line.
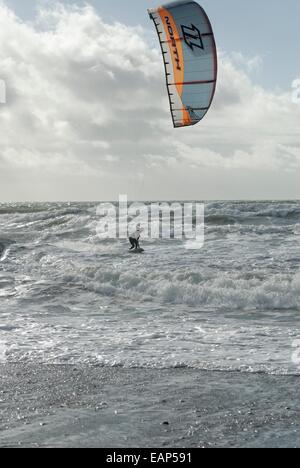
87 109
250 64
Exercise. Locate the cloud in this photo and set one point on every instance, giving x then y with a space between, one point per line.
250 64
87 108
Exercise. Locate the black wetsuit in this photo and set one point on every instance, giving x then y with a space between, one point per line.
134 243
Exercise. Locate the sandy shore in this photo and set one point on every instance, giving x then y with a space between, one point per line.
71 406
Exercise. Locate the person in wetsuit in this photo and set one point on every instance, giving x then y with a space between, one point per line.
135 238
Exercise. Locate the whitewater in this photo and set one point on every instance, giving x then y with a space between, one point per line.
68 297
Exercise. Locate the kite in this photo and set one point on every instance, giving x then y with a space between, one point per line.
190 58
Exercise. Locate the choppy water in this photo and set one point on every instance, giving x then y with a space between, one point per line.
67 296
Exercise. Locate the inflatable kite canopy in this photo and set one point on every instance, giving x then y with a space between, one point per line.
190 57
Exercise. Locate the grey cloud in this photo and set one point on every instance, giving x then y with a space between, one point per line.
87 101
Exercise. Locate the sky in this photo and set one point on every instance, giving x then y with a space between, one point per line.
87 114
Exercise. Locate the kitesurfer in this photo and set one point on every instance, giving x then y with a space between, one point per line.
135 238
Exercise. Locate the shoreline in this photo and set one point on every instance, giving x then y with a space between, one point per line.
82 406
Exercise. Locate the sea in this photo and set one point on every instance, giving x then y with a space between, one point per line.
67 296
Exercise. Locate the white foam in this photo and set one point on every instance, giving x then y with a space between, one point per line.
225 291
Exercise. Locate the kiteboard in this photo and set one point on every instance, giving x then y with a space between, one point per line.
137 251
